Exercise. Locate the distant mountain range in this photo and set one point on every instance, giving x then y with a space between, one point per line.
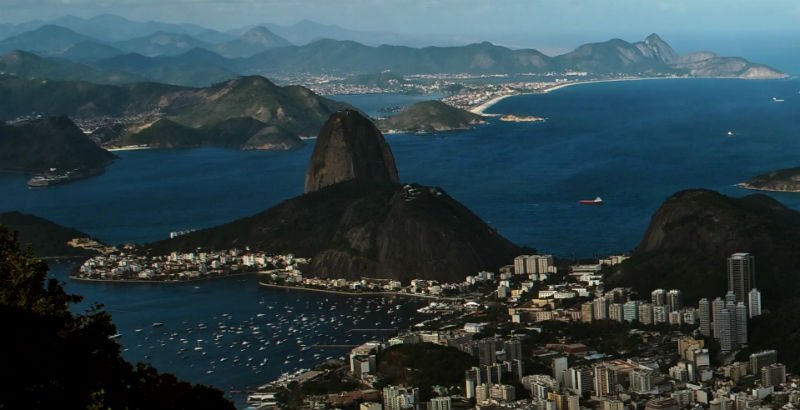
54 41
181 59
28 65
114 28
247 112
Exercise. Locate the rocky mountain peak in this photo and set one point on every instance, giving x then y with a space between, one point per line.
349 147
661 50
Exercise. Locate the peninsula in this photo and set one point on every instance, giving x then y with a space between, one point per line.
784 180
515 118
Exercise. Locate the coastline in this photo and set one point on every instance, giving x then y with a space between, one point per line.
171 282
480 110
346 293
745 185
129 148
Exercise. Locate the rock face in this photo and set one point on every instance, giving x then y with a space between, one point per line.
694 231
356 220
659 49
349 147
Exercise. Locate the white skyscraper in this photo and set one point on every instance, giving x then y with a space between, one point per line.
560 366
754 305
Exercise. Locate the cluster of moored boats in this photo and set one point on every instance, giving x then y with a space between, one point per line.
281 338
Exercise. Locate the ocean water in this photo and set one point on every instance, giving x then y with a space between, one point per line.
632 143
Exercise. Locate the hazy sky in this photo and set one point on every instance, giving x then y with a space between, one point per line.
512 22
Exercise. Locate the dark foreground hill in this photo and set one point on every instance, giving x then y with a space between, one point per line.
46 238
63 359
694 231
357 221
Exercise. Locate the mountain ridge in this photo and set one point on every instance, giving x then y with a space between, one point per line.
325 56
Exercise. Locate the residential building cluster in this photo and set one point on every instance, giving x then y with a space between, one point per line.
185 266
672 367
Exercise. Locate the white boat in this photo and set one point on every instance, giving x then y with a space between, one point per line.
776 99
596 201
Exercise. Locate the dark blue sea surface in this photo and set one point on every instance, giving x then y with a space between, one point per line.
631 143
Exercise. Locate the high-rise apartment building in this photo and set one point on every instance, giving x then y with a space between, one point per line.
761 359
754 303
674 300
741 275
704 313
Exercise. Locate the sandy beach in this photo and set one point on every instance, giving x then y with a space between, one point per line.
488 104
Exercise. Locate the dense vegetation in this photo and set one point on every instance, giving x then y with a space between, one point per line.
245 133
423 365
27 65
46 238
778 329
39 145
360 229
59 359
430 116
294 108
247 112
692 234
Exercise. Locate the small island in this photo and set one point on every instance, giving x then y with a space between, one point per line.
784 180
514 118
430 116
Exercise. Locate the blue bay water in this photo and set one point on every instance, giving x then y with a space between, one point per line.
632 143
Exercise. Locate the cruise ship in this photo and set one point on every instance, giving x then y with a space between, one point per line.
53 176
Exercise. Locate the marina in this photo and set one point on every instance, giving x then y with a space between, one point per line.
239 346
